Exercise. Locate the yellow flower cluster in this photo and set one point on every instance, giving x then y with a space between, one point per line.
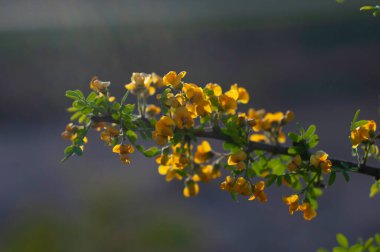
98 85
270 124
295 163
245 187
292 201
143 84
123 151
363 133
169 164
319 160
238 159
71 134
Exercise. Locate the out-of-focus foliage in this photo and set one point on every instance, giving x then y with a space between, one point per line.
372 244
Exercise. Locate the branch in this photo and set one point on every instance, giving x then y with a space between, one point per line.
277 150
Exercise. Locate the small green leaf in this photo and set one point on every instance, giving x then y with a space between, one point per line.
152 151
359 123
270 180
332 178
310 131
355 119
342 240
367 8
346 176
356 248
375 189
74 94
234 196
377 238
294 137
78 151
91 97
339 249
69 150
132 136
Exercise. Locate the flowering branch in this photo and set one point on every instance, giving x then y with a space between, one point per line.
253 141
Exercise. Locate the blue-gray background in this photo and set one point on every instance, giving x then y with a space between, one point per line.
318 58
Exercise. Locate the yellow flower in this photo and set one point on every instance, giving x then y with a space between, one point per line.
255 114
292 202
141 84
175 101
319 159
183 118
109 133
363 133
169 171
123 151
237 157
208 173
173 79
152 110
259 138
295 163
98 85
270 119
216 89
228 104
193 93
157 80
242 94
191 189
163 130
228 184
243 186
308 212
258 192
289 116
203 153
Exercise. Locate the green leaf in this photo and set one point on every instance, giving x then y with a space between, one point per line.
91 97
313 141
68 150
234 196
367 8
310 131
270 180
279 180
356 248
359 123
152 151
332 178
355 119
346 176
288 178
132 136
375 189
342 240
294 137
124 98
377 238
368 243
74 94
78 151
295 150
339 249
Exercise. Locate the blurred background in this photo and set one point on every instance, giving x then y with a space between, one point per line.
317 58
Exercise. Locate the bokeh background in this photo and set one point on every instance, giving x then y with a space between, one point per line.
317 58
